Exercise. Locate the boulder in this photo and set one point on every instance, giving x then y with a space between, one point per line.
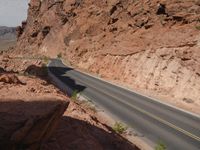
10 79
27 124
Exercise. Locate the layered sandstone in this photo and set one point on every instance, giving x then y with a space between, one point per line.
149 46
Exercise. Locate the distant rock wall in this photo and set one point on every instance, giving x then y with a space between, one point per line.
7 32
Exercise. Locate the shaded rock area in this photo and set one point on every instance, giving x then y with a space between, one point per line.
30 107
2 70
85 132
33 114
161 9
25 124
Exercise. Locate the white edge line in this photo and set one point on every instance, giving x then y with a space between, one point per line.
148 97
115 117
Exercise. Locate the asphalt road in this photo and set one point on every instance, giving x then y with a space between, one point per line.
178 129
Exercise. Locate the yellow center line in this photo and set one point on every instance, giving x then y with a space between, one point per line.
149 114
159 119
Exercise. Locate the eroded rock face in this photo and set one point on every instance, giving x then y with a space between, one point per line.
152 46
28 123
20 29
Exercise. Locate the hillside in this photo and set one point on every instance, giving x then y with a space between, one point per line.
7 37
149 46
7 32
34 113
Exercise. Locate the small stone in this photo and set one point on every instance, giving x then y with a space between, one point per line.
188 100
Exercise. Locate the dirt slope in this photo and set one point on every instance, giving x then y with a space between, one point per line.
26 94
148 45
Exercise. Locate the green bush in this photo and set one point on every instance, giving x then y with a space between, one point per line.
59 55
160 146
74 95
119 127
46 59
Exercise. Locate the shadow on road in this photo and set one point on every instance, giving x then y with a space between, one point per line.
60 73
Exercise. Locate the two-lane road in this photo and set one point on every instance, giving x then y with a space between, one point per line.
179 130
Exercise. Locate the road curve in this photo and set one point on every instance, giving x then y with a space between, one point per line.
179 130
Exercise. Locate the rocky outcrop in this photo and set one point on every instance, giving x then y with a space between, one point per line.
29 113
10 79
28 123
20 29
84 130
30 107
151 46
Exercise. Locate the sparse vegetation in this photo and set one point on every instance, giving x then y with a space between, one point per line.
74 95
160 146
46 59
89 105
119 127
59 55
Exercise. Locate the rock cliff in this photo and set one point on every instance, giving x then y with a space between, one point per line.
149 45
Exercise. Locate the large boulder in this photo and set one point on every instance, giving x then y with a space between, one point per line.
27 124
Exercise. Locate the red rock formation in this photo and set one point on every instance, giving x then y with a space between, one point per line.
123 40
10 79
26 124
29 113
